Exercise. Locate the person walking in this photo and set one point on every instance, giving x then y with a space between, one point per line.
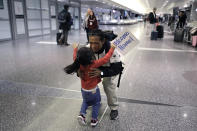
65 22
153 19
85 23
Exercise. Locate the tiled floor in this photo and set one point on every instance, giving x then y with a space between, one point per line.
158 90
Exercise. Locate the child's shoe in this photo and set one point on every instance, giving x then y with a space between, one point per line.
82 120
94 122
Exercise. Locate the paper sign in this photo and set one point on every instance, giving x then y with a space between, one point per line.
18 8
125 42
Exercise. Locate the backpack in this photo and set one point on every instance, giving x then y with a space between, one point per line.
109 35
62 16
71 21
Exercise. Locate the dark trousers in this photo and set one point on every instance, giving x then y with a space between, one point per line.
91 99
180 24
87 33
65 32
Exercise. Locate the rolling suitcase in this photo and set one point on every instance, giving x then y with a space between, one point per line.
154 35
194 41
178 35
160 31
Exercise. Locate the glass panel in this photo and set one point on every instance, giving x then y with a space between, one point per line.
67 1
46 31
46 24
53 10
72 10
36 24
33 14
194 11
4 11
76 19
60 7
74 3
20 26
44 4
35 32
33 4
53 24
45 14
5 30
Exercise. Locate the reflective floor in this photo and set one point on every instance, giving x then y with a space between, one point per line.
158 90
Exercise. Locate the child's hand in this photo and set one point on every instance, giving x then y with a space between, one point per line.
113 46
75 45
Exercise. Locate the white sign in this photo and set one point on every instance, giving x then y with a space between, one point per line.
125 42
18 8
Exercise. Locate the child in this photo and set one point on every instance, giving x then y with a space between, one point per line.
84 60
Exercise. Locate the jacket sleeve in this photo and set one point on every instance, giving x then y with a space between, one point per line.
96 23
103 60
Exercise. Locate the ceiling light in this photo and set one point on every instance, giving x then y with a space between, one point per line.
185 115
185 5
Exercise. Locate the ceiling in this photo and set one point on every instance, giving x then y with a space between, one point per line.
145 6
107 4
140 6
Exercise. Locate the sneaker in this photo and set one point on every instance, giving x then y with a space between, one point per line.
94 122
81 119
66 44
114 114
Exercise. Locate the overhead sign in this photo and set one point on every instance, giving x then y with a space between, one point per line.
125 42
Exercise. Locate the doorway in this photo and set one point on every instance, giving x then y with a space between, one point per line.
19 19
74 12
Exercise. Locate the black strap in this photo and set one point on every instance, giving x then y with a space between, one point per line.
119 79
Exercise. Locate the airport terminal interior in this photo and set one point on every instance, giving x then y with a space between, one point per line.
158 86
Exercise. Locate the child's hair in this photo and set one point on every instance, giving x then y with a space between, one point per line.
84 57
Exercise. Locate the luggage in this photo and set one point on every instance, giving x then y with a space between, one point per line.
178 35
187 35
109 35
194 41
193 31
59 38
160 31
154 35
172 26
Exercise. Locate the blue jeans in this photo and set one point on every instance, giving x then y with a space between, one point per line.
91 99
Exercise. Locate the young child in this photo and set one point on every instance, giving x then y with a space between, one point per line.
84 60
